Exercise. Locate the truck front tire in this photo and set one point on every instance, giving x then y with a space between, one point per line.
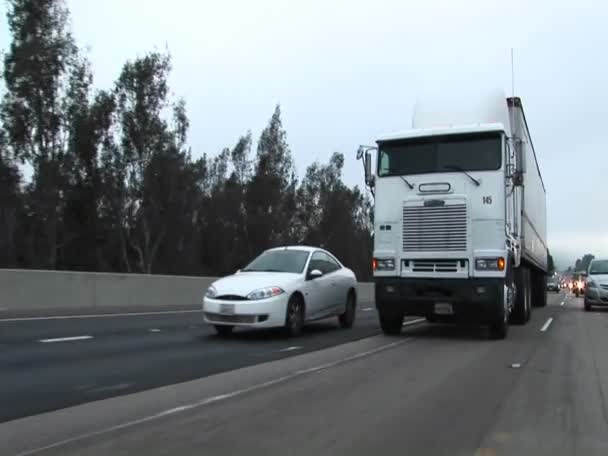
521 308
390 322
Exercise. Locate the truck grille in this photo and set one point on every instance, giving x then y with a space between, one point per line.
435 265
435 228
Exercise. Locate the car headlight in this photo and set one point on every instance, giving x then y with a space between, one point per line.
211 292
384 264
265 293
591 284
490 264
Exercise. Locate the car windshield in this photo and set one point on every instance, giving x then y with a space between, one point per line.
279 261
479 152
599 267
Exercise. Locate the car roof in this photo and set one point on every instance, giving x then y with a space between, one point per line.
306 248
599 259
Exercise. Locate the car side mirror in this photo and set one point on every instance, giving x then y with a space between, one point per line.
315 274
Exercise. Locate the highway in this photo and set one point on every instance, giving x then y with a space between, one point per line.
60 361
434 390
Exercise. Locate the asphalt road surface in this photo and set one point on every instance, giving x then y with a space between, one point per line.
434 390
52 363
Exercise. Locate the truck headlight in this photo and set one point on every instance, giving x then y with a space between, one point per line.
490 264
384 264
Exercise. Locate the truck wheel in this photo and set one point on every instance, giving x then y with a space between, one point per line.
223 330
390 323
521 307
500 327
539 289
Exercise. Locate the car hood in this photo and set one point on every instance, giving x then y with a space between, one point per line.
243 283
602 279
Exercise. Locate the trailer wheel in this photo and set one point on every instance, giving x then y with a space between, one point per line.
539 289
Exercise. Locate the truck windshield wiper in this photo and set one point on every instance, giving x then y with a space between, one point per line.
408 184
458 168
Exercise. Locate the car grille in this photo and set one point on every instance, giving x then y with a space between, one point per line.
435 265
230 318
231 298
435 229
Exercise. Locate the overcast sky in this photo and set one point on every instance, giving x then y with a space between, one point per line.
346 71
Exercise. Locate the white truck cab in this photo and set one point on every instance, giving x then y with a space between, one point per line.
450 217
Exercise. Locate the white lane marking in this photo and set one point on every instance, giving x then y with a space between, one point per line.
71 317
547 324
562 304
367 309
64 339
287 349
516 365
413 322
154 330
102 389
213 399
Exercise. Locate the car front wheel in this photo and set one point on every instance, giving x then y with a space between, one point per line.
347 319
294 320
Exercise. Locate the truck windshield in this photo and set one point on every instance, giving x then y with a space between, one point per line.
479 152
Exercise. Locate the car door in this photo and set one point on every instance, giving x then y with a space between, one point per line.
318 294
338 293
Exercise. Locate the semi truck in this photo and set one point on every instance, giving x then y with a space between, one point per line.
459 216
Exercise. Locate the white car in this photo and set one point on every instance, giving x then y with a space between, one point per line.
596 289
283 287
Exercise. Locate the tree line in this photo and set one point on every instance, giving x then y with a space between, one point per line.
115 186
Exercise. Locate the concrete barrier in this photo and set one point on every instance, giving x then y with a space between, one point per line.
23 290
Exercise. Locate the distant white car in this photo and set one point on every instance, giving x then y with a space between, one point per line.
283 287
596 289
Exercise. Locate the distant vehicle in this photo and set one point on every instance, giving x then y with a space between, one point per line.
460 216
597 284
578 284
283 287
553 285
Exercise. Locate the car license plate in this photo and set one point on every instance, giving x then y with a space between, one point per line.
444 308
227 309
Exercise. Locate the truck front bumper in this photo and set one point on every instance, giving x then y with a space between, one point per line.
474 300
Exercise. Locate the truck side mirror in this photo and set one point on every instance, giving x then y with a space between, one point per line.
520 164
369 177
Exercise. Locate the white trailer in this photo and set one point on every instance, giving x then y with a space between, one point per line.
459 216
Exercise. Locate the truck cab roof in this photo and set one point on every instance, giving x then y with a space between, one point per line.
443 131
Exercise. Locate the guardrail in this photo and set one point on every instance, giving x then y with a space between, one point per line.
39 290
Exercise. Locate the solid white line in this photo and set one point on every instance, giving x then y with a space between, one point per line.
547 324
213 399
127 314
64 339
154 330
414 322
367 309
295 347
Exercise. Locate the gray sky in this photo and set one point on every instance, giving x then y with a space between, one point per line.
347 71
